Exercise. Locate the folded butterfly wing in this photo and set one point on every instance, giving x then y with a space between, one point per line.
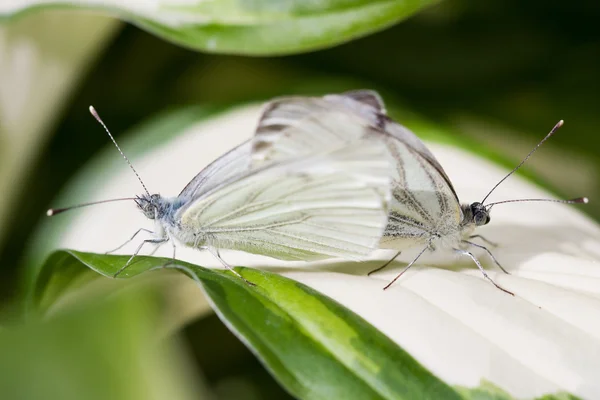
327 205
294 127
233 163
289 128
364 108
424 201
369 104
423 205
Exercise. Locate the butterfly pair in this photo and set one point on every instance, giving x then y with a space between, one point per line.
323 177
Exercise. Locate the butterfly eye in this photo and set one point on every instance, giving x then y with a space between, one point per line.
150 211
481 218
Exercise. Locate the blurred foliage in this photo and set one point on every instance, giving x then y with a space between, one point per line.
97 351
41 63
259 27
500 72
229 367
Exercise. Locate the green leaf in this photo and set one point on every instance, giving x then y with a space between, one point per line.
316 348
262 27
62 283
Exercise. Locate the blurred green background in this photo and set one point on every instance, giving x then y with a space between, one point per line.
500 73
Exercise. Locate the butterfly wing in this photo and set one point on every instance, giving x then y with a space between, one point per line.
305 137
233 163
293 127
327 205
423 204
370 105
307 115
424 200
275 143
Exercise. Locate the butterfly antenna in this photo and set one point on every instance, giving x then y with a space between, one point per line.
95 115
579 200
558 125
53 211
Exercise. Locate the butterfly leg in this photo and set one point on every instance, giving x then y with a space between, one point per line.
407 267
490 254
158 247
493 244
215 252
485 275
132 237
155 241
384 265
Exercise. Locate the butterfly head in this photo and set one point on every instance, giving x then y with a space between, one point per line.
481 215
476 213
153 206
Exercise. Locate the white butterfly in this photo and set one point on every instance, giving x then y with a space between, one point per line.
425 210
329 200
